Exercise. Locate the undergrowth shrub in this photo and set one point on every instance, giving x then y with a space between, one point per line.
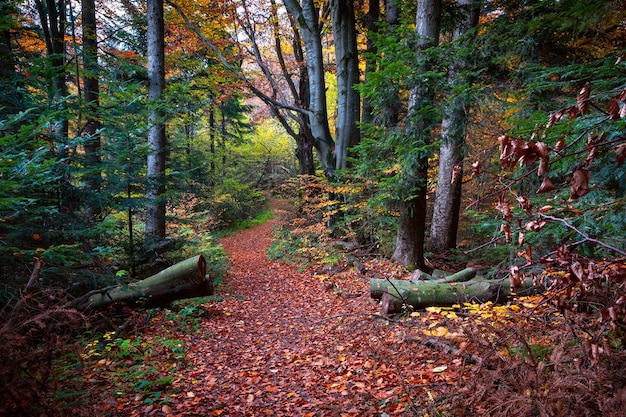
233 202
34 331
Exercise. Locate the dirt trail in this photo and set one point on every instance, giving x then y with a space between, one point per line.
284 344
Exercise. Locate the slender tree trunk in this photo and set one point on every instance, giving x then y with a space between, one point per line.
10 85
91 87
306 16
444 225
409 249
373 17
347 73
155 211
392 18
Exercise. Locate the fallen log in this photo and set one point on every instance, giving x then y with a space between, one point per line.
444 294
186 279
378 285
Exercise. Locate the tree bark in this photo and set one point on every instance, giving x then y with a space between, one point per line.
91 88
378 286
373 18
347 73
409 249
445 222
155 211
306 17
186 279
433 293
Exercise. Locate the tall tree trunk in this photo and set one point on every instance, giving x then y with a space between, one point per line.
347 72
409 249
155 210
373 17
10 85
445 222
91 87
392 18
306 16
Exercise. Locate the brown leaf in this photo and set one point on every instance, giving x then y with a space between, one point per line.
456 174
476 168
505 208
620 59
535 225
506 229
579 185
620 150
613 109
546 185
517 279
583 99
527 254
525 204
560 145
577 270
520 238
572 112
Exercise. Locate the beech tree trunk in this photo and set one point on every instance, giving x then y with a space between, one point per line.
186 279
306 16
155 210
347 62
443 294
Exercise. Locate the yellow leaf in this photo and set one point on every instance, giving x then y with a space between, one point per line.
440 331
341 358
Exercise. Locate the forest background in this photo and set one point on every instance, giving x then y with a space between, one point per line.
432 133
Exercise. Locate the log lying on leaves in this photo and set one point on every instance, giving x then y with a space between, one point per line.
446 294
378 286
186 279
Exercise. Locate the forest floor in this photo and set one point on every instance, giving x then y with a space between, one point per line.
287 342
284 339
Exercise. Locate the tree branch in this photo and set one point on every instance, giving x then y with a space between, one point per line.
581 233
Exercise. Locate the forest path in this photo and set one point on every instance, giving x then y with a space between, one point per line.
283 343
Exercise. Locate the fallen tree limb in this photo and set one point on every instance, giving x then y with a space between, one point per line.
443 294
186 279
378 285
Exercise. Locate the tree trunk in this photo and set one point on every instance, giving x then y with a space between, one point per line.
306 16
11 85
347 73
91 87
378 285
409 249
433 293
373 18
447 205
155 210
186 279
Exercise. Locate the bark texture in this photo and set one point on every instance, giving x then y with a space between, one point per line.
155 210
409 248
447 205
186 279
347 63
433 293
306 17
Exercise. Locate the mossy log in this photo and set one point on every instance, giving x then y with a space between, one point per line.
446 294
186 279
378 286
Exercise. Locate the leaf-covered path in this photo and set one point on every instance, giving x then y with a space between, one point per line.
288 343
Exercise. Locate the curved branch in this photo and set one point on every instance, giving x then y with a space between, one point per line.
581 233
228 66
